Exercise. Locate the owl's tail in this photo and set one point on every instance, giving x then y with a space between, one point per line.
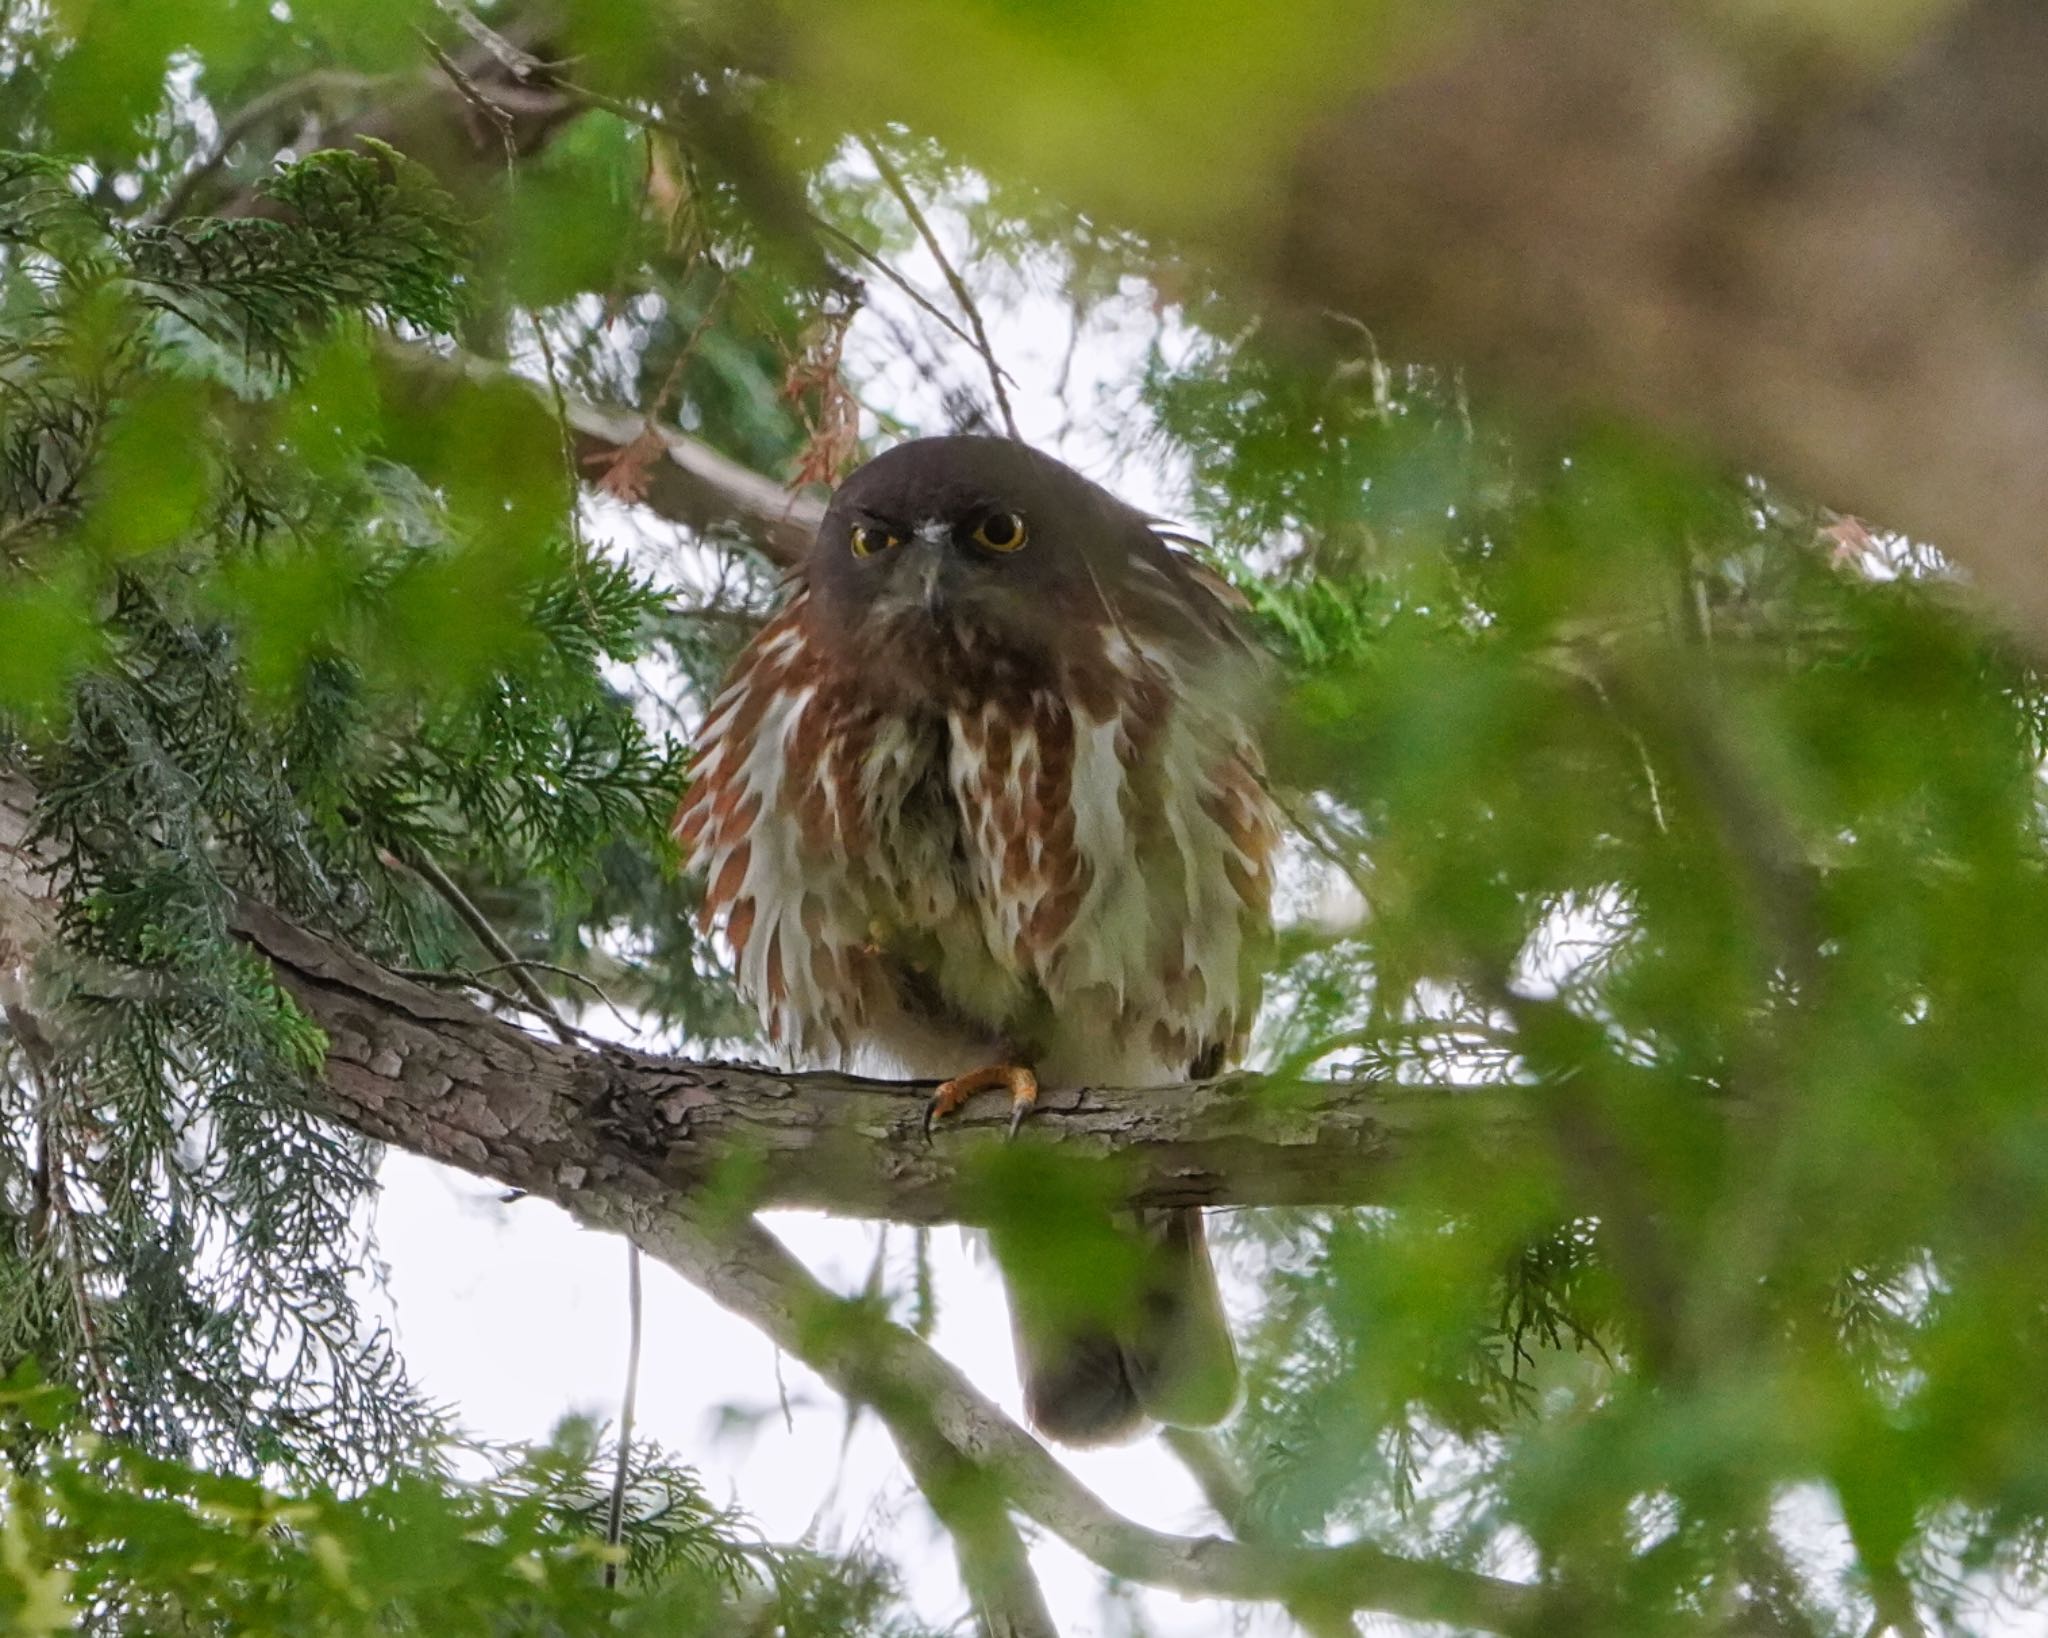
1169 1360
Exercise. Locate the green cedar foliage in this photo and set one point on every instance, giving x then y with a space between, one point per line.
1708 832
251 651
101 1537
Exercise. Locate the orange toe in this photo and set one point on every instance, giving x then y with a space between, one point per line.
952 1095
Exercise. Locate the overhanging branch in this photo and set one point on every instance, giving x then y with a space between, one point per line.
921 1397
691 484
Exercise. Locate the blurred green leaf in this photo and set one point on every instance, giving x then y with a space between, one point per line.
48 635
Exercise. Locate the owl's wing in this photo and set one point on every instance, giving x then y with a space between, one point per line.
1238 670
1218 606
1249 823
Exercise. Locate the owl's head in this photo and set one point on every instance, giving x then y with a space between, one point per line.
972 544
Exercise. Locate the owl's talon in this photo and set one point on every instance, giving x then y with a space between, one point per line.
951 1095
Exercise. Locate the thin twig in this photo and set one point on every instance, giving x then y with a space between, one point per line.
631 113
463 978
658 406
494 941
467 981
475 96
319 82
571 479
566 435
1313 828
615 1515
570 975
932 308
893 180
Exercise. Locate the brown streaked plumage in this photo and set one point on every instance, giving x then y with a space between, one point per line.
982 793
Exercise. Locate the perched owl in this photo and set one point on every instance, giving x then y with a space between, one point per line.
980 802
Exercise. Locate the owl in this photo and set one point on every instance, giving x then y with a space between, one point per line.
981 804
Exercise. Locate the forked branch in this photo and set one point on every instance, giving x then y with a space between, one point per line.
923 1398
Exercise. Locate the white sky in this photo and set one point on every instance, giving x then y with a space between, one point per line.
516 1317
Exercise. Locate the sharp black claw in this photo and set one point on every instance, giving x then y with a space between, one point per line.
931 1113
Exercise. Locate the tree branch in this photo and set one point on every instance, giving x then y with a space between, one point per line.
434 1074
921 1397
628 1141
693 484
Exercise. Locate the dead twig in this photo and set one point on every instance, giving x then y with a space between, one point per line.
892 179
931 308
627 474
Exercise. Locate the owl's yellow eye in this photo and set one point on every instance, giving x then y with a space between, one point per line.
1000 532
870 538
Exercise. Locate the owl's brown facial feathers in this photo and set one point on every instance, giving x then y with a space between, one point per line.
981 545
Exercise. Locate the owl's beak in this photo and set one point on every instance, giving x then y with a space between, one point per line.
931 547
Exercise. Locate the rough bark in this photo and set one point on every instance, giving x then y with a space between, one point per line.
426 1070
